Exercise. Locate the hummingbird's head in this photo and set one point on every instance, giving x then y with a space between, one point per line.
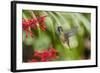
60 29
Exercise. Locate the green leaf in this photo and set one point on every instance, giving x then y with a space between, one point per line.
42 42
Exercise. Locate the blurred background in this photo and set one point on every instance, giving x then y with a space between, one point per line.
45 34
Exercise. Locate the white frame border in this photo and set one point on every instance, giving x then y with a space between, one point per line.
21 65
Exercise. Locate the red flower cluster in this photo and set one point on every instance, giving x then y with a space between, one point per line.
32 23
47 55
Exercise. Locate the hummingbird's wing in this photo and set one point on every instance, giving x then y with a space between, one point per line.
71 32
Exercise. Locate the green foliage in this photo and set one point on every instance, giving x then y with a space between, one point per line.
50 37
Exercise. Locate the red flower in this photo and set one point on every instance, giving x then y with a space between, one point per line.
53 53
37 54
26 27
41 20
46 55
32 23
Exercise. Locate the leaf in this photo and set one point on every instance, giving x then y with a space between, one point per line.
42 42
64 22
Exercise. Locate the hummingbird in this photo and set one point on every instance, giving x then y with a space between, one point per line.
64 36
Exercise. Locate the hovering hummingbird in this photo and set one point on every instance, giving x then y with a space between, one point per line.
64 36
